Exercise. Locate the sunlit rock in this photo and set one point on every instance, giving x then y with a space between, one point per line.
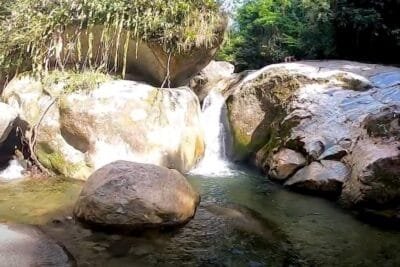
266 105
326 110
84 125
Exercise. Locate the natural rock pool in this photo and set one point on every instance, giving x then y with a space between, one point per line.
243 220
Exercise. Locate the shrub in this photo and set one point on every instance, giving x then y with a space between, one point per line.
267 31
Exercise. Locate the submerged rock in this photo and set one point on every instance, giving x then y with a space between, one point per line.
88 124
23 246
285 163
249 221
326 176
127 196
7 119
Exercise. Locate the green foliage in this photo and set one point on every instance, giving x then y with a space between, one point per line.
368 29
74 81
267 31
32 32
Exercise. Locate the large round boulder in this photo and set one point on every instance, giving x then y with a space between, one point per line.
24 246
128 196
88 120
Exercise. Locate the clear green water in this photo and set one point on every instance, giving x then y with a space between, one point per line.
243 220
37 201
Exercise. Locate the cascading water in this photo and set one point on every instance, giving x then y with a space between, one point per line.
217 137
14 171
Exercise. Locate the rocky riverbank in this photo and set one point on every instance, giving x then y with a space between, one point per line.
325 127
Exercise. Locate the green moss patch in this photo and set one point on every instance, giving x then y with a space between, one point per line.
55 161
75 82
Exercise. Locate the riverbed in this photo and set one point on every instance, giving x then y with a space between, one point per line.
243 220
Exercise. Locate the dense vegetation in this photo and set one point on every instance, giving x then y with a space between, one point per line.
267 31
31 31
368 30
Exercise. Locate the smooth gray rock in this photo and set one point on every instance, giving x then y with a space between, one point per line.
335 152
325 177
26 246
386 79
285 163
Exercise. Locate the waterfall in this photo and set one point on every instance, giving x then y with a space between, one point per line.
217 137
14 171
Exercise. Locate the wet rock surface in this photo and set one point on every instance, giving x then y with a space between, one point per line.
327 110
23 246
285 163
325 177
126 196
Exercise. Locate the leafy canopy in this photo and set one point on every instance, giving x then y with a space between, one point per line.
267 31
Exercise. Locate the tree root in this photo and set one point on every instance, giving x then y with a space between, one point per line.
31 138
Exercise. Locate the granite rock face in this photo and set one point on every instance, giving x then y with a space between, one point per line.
83 130
341 112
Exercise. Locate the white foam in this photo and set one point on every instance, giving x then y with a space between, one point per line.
215 162
14 171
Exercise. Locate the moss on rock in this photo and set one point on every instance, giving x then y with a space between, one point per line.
55 161
257 110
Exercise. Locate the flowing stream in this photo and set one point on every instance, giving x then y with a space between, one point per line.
243 220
